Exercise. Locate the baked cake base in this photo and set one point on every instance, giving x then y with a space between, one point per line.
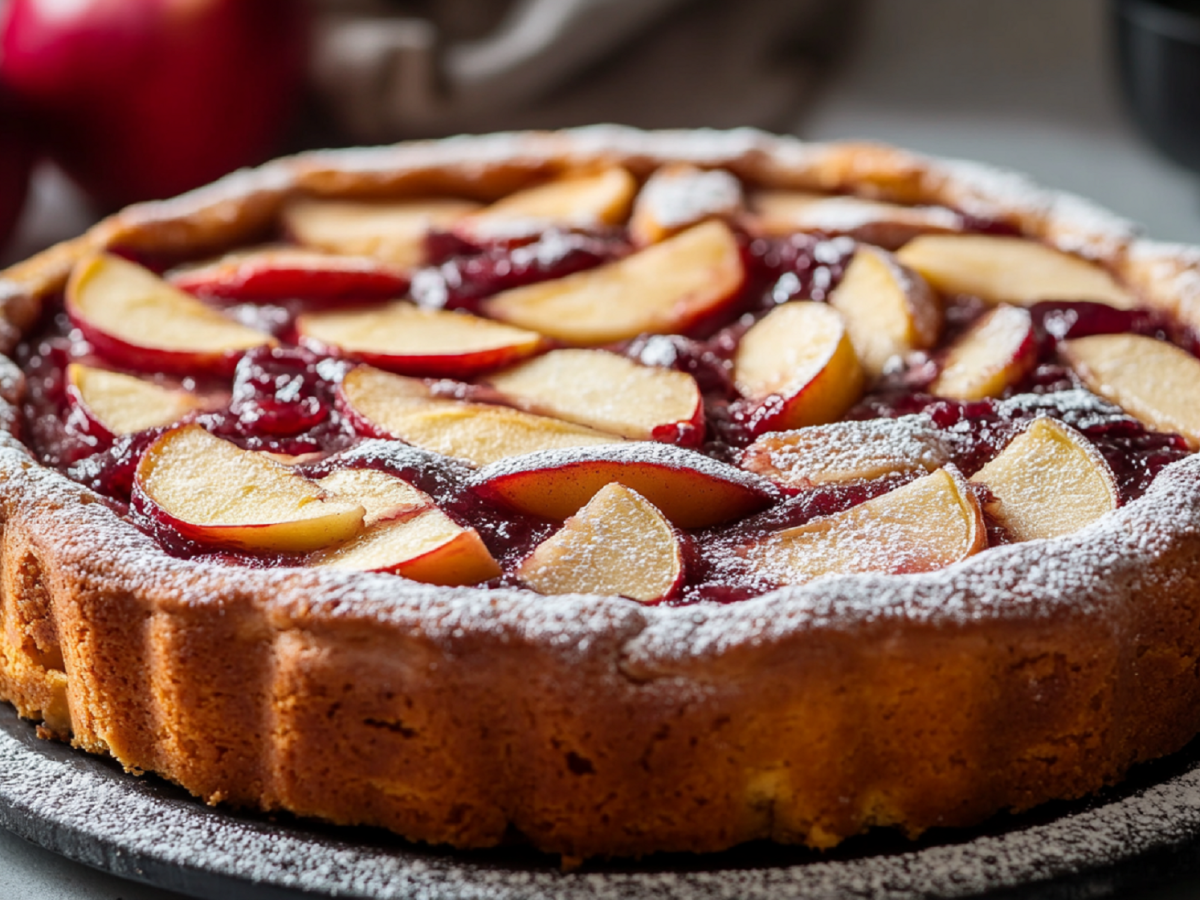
88 810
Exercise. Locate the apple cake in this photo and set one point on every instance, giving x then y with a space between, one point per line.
621 491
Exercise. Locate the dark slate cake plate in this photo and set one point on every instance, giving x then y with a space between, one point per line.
89 810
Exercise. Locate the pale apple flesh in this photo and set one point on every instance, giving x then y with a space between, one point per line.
392 231
668 287
993 354
799 365
1010 270
141 322
381 495
690 489
122 404
887 225
1048 482
575 200
402 337
272 274
889 310
404 534
925 525
679 196
608 392
848 452
219 495
1153 381
619 543
392 406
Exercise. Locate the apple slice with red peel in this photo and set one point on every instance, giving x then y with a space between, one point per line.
405 534
798 366
118 404
994 353
402 337
1010 270
219 495
275 273
427 546
392 231
889 309
577 200
886 225
133 317
847 452
617 544
391 406
608 392
1155 382
927 524
666 288
680 195
1048 482
692 490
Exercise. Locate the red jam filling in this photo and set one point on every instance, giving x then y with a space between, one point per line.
282 400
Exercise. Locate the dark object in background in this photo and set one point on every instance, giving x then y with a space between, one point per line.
392 69
1158 51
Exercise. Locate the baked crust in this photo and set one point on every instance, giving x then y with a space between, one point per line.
596 726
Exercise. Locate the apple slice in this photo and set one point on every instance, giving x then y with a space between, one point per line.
798 366
927 524
405 534
691 489
665 288
577 200
846 452
608 392
994 353
219 495
680 195
887 225
889 309
133 317
393 231
275 273
381 495
402 337
1155 382
617 544
392 406
119 404
428 546
1010 270
1048 482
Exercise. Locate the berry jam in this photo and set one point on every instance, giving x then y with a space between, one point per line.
473 273
283 399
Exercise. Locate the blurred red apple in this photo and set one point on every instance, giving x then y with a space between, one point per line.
139 99
15 162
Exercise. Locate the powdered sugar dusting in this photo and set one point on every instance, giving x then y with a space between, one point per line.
679 197
647 452
844 451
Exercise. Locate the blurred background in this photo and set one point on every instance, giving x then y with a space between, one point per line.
110 101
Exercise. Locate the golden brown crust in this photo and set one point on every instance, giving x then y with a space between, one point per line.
594 725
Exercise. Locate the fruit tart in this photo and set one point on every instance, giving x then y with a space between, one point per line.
624 492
